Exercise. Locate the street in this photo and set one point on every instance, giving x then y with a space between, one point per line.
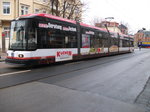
106 84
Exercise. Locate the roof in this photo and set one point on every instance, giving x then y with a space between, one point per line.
66 20
90 26
48 16
123 26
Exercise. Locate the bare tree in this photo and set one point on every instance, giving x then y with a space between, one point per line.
96 20
55 7
127 26
52 7
70 9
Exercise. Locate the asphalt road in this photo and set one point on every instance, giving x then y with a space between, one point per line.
121 77
108 84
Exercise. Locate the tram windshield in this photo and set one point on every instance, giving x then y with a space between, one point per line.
22 36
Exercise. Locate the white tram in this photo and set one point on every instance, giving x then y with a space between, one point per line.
44 39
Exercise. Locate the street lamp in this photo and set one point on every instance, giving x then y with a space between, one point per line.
108 31
109 18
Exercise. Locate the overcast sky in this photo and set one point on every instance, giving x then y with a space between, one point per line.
136 13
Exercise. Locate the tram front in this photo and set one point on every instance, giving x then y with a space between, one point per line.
23 42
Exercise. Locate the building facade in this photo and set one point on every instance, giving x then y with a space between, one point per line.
113 26
11 9
141 36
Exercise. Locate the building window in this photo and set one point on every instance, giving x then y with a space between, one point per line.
24 10
45 1
36 11
7 32
44 11
6 7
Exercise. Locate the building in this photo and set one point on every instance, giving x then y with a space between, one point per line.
123 29
141 35
14 8
113 26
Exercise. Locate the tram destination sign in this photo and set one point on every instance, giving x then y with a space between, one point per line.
58 27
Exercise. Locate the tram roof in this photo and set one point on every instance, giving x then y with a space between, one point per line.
59 18
90 26
66 20
47 16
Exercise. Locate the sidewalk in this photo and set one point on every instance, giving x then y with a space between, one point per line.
52 98
143 99
2 56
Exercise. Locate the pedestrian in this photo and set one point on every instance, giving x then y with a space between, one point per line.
139 45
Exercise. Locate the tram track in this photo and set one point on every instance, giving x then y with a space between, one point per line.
69 68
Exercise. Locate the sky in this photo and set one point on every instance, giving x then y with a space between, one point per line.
135 13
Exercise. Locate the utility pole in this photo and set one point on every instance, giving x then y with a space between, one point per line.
109 35
3 43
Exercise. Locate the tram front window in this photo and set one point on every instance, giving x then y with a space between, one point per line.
32 40
17 35
21 35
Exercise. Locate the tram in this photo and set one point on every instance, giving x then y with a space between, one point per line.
44 39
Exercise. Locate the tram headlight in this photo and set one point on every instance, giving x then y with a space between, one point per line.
20 55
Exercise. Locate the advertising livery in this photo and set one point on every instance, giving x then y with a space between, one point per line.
45 39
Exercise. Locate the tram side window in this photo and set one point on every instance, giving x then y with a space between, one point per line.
100 42
85 41
114 41
128 43
111 41
55 39
62 40
42 40
104 42
92 43
58 39
71 42
120 43
131 43
105 39
99 38
97 42
125 43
